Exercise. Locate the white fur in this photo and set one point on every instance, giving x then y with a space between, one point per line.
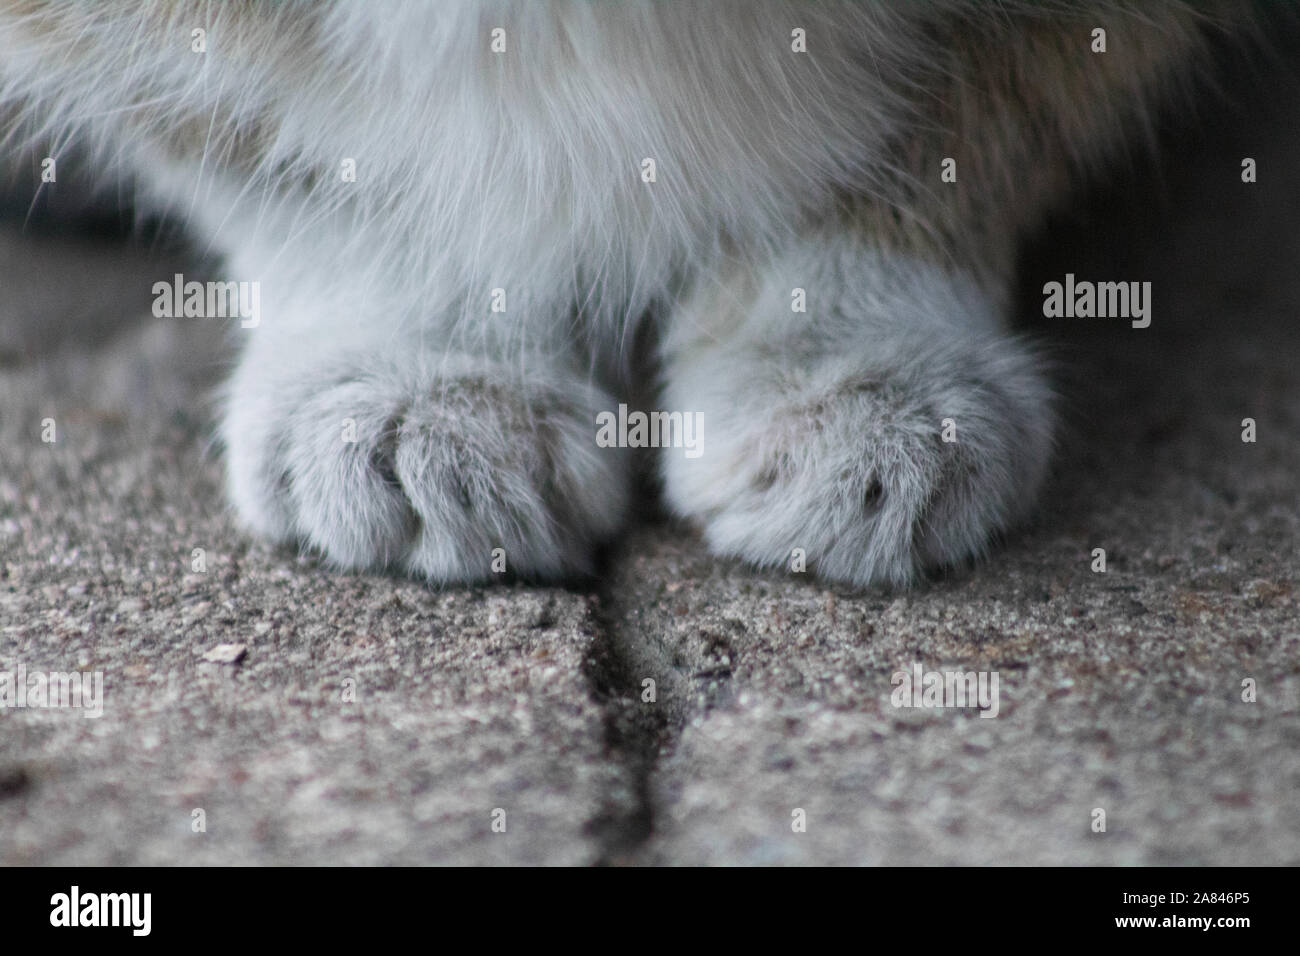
522 171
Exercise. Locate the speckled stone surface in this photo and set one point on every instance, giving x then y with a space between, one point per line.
369 719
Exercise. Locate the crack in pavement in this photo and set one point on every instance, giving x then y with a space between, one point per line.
651 683
634 735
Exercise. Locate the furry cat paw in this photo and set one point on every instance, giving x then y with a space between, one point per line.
877 474
892 433
445 473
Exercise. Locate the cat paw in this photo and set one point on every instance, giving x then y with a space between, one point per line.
876 467
446 474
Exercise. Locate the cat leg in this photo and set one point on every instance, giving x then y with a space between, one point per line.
448 467
889 429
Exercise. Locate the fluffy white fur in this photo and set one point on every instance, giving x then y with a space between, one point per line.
521 171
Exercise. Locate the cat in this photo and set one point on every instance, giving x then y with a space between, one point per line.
464 215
